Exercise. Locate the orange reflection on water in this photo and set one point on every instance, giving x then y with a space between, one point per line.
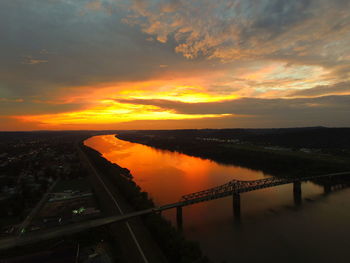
266 213
167 175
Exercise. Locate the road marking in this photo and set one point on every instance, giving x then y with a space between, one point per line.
117 205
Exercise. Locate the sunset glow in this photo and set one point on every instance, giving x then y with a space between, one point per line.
121 119
121 63
112 113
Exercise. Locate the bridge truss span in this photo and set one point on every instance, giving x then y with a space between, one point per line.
237 187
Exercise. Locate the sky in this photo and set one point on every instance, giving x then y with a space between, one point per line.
174 64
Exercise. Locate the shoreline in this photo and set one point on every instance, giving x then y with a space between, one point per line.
170 240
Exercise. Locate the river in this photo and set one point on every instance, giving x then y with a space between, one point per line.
273 227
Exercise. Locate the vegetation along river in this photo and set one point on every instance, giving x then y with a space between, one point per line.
273 226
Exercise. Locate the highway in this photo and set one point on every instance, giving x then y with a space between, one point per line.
37 236
67 230
46 234
133 237
116 204
70 229
209 194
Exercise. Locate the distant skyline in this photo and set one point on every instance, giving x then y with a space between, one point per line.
137 64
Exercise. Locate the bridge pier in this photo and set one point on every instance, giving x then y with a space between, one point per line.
297 193
179 217
327 188
236 207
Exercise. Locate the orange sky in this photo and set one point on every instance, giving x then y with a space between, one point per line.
104 65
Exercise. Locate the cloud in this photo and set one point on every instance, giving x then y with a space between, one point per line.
19 106
338 88
244 112
68 56
247 29
29 60
72 50
97 48
288 109
94 5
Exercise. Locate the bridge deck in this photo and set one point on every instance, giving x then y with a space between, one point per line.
227 189
236 186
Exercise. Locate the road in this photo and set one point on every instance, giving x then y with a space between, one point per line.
46 234
21 229
137 243
37 236
125 237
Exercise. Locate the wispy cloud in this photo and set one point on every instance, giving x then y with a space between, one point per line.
275 59
29 60
230 30
338 88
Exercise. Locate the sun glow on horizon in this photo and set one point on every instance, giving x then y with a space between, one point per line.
112 112
116 104
188 94
152 100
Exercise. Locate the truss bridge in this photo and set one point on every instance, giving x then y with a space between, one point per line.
233 188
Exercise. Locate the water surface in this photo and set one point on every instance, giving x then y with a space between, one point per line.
273 227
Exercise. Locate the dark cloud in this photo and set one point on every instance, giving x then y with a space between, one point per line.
86 43
21 107
339 88
81 48
319 109
54 47
277 16
250 29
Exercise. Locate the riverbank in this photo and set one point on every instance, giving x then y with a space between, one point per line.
268 216
270 160
170 241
